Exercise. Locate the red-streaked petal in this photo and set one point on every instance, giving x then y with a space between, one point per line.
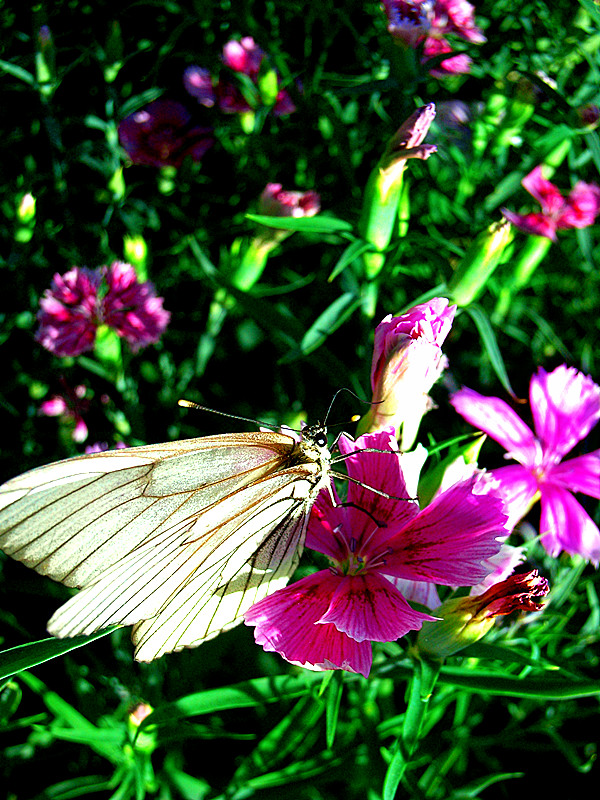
496 418
370 608
286 623
565 525
447 542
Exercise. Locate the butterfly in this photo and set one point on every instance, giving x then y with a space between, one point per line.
177 539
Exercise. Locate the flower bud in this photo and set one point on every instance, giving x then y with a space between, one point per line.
407 361
384 187
479 262
464 620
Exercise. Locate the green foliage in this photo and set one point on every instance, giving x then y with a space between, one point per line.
229 720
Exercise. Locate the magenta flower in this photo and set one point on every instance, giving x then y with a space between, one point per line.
68 312
407 361
565 405
578 210
244 57
162 134
275 201
83 299
70 407
426 23
328 619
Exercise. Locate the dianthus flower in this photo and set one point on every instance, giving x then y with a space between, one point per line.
162 134
407 361
578 210
328 619
244 57
428 22
276 201
565 405
82 299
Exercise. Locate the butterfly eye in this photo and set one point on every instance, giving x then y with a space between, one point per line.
321 440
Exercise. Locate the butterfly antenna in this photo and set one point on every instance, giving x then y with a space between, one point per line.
191 404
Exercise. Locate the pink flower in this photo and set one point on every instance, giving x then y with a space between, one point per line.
74 306
455 17
67 313
578 210
407 361
244 57
428 22
328 619
162 134
565 405
70 407
132 308
458 64
275 201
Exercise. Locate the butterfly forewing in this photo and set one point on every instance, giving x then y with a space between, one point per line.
177 538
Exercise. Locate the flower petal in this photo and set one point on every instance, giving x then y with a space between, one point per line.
546 193
519 490
535 223
370 608
565 405
286 623
448 540
581 474
565 525
496 418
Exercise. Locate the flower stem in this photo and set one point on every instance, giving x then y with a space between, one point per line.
420 691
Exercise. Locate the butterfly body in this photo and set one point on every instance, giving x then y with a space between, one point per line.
176 539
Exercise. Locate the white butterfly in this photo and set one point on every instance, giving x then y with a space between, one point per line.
176 539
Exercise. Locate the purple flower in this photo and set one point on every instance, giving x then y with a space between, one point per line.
275 201
82 299
70 407
162 134
407 361
198 82
565 405
578 210
328 619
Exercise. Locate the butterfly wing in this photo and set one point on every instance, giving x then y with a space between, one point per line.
149 531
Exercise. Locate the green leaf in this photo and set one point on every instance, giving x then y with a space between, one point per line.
354 251
490 345
248 694
25 656
18 72
318 224
329 321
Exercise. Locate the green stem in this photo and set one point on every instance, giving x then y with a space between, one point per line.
530 257
419 694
